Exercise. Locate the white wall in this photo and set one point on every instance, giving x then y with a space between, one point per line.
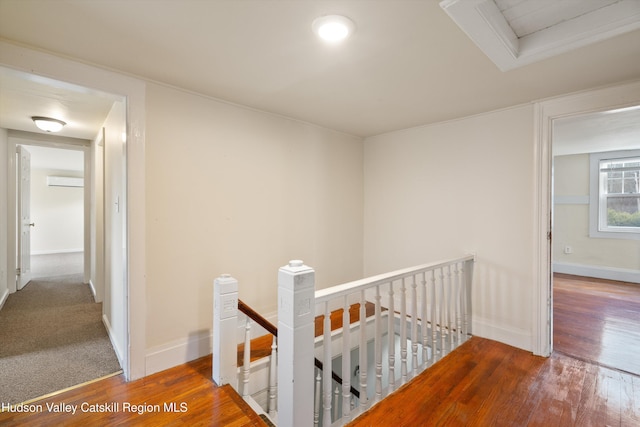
4 214
604 257
447 189
58 213
232 190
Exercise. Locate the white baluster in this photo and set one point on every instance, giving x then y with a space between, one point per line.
316 401
425 330
434 319
458 304
450 303
272 378
336 398
392 339
467 273
442 306
378 344
463 299
326 367
346 360
414 326
403 331
363 350
246 366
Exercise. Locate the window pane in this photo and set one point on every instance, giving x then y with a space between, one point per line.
614 183
623 211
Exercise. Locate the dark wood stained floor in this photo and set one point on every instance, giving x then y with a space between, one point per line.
482 383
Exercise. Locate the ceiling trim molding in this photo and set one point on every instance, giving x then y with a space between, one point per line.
485 24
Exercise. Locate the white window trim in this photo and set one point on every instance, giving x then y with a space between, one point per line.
594 197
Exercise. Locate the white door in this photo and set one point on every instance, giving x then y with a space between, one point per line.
24 216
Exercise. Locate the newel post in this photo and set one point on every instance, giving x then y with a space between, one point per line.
225 321
296 330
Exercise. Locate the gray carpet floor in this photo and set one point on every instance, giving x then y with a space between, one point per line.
52 337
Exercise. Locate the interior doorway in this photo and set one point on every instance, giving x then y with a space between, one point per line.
103 238
596 230
57 211
546 112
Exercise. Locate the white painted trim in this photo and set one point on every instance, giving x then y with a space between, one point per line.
571 200
487 27
542 326
599 272
602 99
93 291
486 328
114 342
3 298
178 352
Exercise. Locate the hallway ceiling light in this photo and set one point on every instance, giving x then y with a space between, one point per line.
333 28
48 124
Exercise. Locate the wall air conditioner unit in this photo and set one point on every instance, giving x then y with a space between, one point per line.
65 181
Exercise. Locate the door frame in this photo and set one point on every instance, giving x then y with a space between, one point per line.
16 138
133 90
545 112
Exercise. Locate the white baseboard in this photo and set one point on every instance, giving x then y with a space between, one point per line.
177 352
3 298
609 273
197 345
512 336
118 351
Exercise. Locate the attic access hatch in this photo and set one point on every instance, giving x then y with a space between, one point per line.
513 33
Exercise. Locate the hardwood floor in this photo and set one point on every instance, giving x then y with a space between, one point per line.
485 383
592 379
597 320
482 383
198 402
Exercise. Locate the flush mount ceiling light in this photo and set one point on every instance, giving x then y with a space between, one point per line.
333 28
48 124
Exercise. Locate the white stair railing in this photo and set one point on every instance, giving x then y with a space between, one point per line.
428 314
225 350
419 315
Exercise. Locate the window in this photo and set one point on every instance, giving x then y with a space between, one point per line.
615 194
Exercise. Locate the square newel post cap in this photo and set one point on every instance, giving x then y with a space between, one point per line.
296 276
225 284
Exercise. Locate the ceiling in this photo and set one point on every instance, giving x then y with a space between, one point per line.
407 64
58 159
24 95
597 132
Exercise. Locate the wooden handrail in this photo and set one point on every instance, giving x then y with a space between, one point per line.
269 327
257 317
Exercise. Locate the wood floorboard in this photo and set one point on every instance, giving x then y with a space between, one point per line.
199 402
597 320
485 383
482 383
